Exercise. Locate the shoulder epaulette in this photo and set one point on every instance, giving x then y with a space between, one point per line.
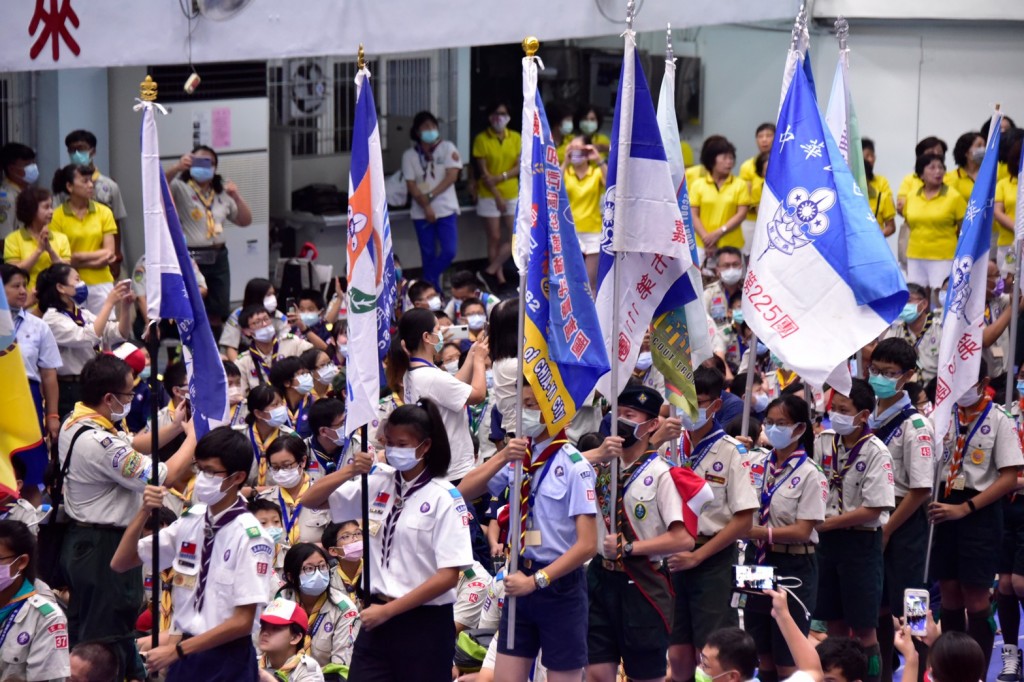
918 422
43 605
575 457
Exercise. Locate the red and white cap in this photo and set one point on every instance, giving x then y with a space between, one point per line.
132 355
285 612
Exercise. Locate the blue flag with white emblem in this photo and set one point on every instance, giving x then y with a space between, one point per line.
821 282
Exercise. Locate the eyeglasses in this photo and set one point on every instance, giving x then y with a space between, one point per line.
347 538
888 374
310 570
704 402
768 422
278 469
196 469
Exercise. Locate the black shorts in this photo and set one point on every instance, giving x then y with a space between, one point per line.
762 627
702 599
1012 558
850 577
426 633
624 625
965 550
552 621
904 560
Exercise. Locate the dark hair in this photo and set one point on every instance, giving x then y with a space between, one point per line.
845 654
102 375
15 151
913 389
464 278
263 504
329 537
259 399
963 145
9 270
46 286
925 160
418 288
218 181
16 536
734 427
418 120
1013 153
255 291
897 351
411 328
425 419
231 447
797 409
472 301
988 124
732 251
928 143
712 148
249 312
295 557
291 444
102 659
231 370
441 315
765 126
175 375
867 143
589 441
738 387
862 395
80 136
761 162
26 206
167 517
582 114
66 176
323 413
715 362
494 104
282 371
708 381
504 328
736 650
312 295
18 464
956 657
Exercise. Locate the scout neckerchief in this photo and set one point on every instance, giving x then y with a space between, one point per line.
263 363
282 673
207 200
966 416
181 496
772 481
236 414
908 335
701 450
259 447
286 502
209 535
630 473
780 377
838 476
528 492
316 619
166 604
9 613
351 583
991 311
391 522
326 462
75 314
887 431
300 410
82 412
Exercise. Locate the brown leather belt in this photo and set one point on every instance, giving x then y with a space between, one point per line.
791 549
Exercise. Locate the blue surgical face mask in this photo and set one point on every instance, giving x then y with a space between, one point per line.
737 316
761 349
910 313
145 373
694 424
80 158
1020 388
884 387
201 174
309 319
780 436
81 293
314 584
644 360
761 401
440 341
31 173
430 135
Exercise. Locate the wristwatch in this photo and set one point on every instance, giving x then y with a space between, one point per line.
542 579
430 196
627 549
181 653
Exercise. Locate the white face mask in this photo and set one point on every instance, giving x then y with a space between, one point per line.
644 360
843 424
207 489
125 409
476 321
339 435
287 478
761 401
234 394
434 303
270 303
402 459
732 276
532 425
305 384
278 417
265 334
327 373
452 367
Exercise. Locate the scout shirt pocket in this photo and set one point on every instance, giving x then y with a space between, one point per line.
421 519
979 451
313 523
786 501
643 502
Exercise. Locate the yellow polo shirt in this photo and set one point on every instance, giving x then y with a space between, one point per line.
748 169
959 180
86 235
717 206
499 155
934 223
687 150
1002 171
694 173
880 198
1006 192
586 198
20 244
562 147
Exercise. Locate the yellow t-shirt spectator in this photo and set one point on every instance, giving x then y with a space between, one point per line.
563 145
1006 192
717 206
756 188
86 235
1002 171
880 198
694 173
959 180
748 169
586 198
20 245
687 150
499 155
934 223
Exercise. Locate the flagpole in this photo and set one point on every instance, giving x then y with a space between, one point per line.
1011 372
751 368
938 466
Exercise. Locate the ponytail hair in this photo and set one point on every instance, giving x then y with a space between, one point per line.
425 419
260 398
797 409
411 328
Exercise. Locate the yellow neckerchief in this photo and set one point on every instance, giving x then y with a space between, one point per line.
282 672
350 582
185 496
83 412
317 607
166 604
304 402
170 409
780 375
207 202
261 476
290 504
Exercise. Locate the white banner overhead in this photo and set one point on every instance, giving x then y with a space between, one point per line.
60 34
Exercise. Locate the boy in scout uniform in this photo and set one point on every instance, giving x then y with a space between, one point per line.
630 591
919 326
265 346
861 494
984 460
703 577
908 435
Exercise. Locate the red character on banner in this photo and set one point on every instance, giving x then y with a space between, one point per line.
645 286
54 28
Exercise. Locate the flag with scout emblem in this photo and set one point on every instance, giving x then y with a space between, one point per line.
371 264
19 423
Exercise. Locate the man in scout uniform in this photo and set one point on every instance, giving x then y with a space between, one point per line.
265 346
630 590
221 560
908 435
858 467
921 328
327 442
703 577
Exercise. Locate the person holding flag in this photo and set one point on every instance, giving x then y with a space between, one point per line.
984 451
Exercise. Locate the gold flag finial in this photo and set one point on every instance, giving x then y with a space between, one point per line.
147 90
361 59
531 45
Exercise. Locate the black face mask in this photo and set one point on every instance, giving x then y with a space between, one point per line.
869 170
628 427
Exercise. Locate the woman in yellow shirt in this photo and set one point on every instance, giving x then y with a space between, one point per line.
588 121
33 247
933 215
90 229
496 155
756 187
968 152
1006 206
585 185
719 200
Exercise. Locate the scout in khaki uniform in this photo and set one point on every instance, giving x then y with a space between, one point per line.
861 495
630 590
793 492
908 435
265 346
702 578
968 516
471 592
996 337
283 628
33 629
919 326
